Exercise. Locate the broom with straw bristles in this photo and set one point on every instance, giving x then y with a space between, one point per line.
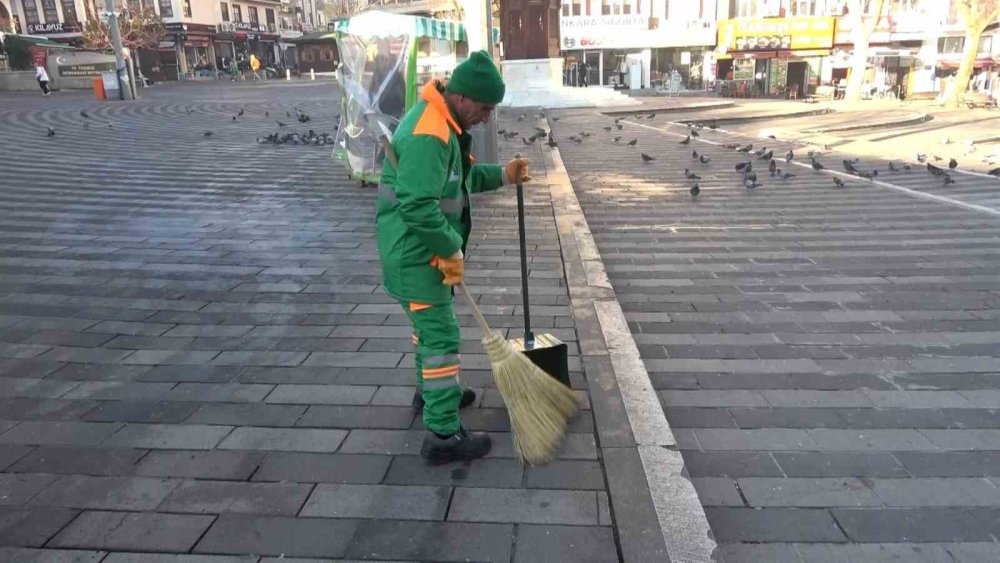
539 406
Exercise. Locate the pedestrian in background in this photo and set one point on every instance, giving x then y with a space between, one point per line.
255 66
583 74
43 79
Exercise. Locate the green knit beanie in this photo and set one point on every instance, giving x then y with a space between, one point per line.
478 78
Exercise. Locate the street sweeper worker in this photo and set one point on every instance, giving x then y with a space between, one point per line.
423 219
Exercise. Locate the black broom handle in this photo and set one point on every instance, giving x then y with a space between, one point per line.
529 338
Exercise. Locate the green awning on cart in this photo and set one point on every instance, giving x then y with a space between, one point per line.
384 24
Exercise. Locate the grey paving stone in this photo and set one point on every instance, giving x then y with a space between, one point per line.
278 535
717 491
875 439
731 464
755 439
976 552
875 553
34 388
85 355
951 491
168 436
413 470
432 541
535 506
59 433
393 395
411 502
322 394
219 392
19 489
840 464
975 439
772 525
133 531
285 375
910 525
951 464
696 417
239 414
230 466
213 497
171 357
28 368
798 417
174 558
565 474
196 374
807 493
141 411
371 417
70 460
753 553
258 358
108 493
29 555
32 526
283 439
119 391
564 543
384 442
354 359
324 468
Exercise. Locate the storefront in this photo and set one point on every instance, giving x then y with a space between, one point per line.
635 50
193 50
780 57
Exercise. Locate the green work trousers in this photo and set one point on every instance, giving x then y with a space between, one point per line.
436 339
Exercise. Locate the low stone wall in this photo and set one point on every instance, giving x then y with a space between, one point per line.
18 80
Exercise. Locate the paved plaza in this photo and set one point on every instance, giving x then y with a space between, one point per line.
198 363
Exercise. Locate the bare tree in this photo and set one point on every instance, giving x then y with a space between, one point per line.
346 8
976 14
864 16
140 26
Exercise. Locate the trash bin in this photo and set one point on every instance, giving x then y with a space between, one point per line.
111 90
99 92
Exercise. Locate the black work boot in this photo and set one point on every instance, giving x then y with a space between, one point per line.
460 446
468 397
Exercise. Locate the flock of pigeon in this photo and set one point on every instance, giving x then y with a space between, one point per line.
311 137
748 175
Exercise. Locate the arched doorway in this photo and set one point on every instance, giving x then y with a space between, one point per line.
6 17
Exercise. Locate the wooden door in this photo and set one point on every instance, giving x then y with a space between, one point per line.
535 33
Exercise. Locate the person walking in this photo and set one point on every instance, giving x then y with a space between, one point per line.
583 73
255 66
43 79
423 221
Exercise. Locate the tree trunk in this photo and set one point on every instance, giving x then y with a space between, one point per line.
960 84
861 33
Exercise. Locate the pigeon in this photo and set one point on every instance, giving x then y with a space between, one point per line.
892 168
619 126
786 175
772 167
751 184
695 190
110 126
207 133
584 134
704 159
936 158
946 179
946 141
772 137
554 119
268 114
280 124
816 165
750 176
686 141
731 146
651 116
575 139
694 155
51 132
552 142
521 117
744 167
303 118
995 172
747 148
789 156
934 170
952 164
838 182
868 175
691 175
811 154
760 151
289 114
234 118
84 114
608 128
617 119
632 142
907 167
766 156
849 167
86 125
713 126
645 157
694 133
527 142
921 157
189 111
616 138
240 114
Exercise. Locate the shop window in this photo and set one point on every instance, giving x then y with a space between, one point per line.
166 9
605 7
986 45
951 45
327 55
565 10
225 11
30 11
186 8
577 7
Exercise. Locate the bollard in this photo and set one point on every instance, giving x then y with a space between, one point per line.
312 74
288 74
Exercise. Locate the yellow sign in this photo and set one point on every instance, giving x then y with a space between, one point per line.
776 34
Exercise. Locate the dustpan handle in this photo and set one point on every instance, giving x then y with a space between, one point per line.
529 338
475 311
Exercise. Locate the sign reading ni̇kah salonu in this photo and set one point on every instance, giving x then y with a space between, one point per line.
776 34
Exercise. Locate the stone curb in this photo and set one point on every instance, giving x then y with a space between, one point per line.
876 125
664 520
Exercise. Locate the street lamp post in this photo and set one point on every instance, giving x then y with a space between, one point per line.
124 86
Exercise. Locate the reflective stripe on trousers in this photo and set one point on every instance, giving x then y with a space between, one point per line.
449 205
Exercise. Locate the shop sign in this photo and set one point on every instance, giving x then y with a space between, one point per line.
55 27
92 69
776 34
633 31
244 26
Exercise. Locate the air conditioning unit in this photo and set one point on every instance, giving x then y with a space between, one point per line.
227 27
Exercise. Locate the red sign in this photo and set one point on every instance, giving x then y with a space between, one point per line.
37 55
